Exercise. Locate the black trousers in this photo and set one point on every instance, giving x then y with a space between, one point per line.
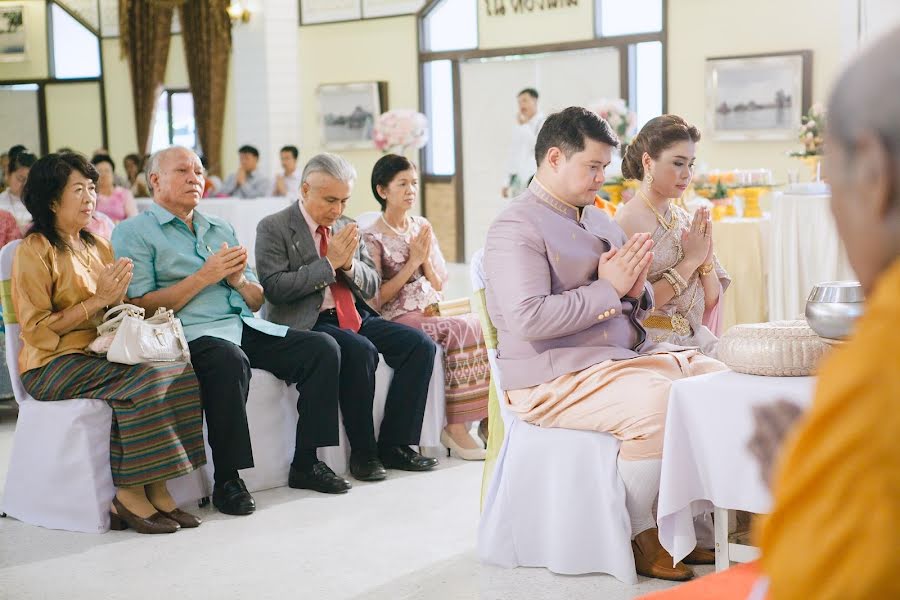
408 351
309 359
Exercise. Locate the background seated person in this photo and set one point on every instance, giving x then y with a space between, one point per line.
409 261
318 276
247 182
64 278
114 200
567 292
192 263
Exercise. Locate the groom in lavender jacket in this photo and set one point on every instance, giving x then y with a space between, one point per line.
567 293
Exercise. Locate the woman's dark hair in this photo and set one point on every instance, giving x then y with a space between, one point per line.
384 171
567 130
103 158
655 136
133 158
21 159
44 188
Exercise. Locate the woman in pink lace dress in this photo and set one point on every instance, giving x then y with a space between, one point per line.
688 281
413 273
114 201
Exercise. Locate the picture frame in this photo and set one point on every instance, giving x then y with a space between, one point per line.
388 8
13 41
314 12
758 97
347 113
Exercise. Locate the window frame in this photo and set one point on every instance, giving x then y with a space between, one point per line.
169 92
625 44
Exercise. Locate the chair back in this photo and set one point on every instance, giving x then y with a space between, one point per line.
367 219
13 343
496 427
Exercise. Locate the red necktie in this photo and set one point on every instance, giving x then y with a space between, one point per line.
348 316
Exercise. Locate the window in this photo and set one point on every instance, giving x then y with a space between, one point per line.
624 17
174 121
76 51
647 80
451 25
440 152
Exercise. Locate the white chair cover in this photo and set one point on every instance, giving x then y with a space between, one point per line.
555 499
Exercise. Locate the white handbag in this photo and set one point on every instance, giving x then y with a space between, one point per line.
127 338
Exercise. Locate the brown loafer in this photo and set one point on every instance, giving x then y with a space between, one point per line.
124 518
185 519
652 560
700 556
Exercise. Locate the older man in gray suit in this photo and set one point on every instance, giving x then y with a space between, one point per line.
316 275
567 293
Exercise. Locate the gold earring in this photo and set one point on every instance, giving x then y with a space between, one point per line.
649 179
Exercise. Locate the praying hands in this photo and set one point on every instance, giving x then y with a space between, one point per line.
626 268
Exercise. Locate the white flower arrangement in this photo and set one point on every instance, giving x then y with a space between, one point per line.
616 113
400 130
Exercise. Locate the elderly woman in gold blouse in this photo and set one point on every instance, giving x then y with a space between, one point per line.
63 279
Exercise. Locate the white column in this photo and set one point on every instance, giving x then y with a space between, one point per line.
266 80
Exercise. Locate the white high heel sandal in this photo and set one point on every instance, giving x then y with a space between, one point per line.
464 453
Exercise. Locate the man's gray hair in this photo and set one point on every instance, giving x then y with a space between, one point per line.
156 158
332 165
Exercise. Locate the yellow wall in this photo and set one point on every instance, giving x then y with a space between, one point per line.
513 29
822 26
73 116
378 50
35 64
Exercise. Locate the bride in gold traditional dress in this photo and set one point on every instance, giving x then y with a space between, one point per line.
688 281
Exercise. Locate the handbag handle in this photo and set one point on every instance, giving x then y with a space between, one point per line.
137 311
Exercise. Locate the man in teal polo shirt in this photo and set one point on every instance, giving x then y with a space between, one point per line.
192 263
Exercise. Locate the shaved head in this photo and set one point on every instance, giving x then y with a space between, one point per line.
862 158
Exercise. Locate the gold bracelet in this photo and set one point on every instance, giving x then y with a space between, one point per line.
242 284
706 269
676 276
87 317
673 282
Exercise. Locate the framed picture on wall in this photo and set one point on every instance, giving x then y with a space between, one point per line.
12 32
347 113
388 8
329 11
759 97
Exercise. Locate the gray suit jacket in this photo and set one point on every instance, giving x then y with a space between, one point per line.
294 276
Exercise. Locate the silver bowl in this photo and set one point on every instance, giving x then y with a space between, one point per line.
833 307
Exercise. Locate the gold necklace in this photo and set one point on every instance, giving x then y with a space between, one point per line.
75 253
662 221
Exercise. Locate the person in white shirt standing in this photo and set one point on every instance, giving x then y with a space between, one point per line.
521 164
288 182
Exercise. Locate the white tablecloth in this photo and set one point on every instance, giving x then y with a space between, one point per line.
805 250
243 215
705 458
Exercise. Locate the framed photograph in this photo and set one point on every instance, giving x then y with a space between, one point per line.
347 113
760 97
388 8
12 32
329 11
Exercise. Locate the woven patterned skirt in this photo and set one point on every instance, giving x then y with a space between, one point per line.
467 371
157 423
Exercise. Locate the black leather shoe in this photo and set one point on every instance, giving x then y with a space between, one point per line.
320 478
405 458
366 467
232 498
